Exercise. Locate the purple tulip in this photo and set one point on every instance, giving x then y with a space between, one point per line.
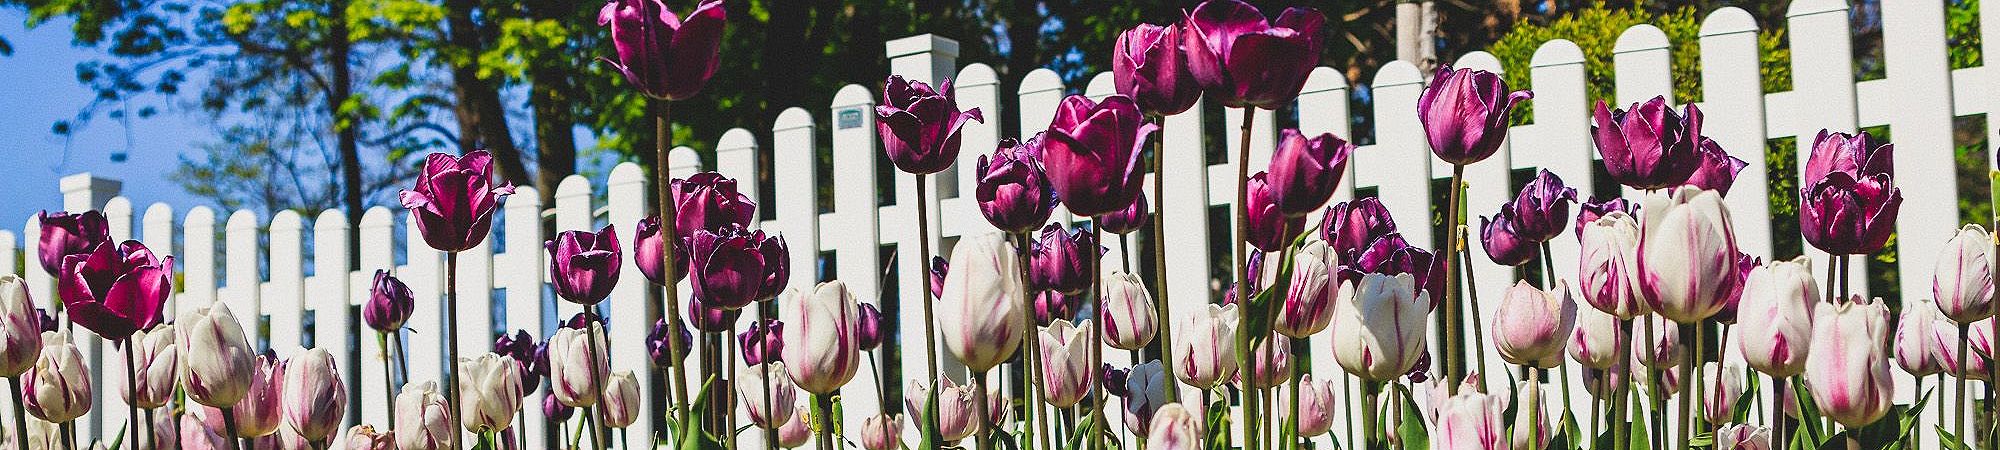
709 201
1092 152
65 234
1542 207
1127 220
920 126
1052 305
454 200
1465 113
1744 264
1591 210
584 319
115 291
662 55
1391 255
1718 170
939 268
733 267
584 265
1267 227
1501 236
1348 227
555 410
1244 60
1850 205
1013 191
710 318
1305 171
1061 261
647 249
656 344
1648 146
1151 67
763 342
48 323
389 303
869 324
522 347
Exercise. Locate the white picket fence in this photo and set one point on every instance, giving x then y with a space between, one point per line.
264 264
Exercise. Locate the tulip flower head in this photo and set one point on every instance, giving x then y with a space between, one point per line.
584 265
20 327
578 365
1316 407
1598 340
1974 364
1532 325
656 343
1243 60
868 326
821 349
522 347
1060 261
1314 288
64 235
1725 385
1348 227
158 363
1737 436
1687 255
1916 344
796 432
1013 190
648 252
734 267
1208 355
1145 391
621 400
1718 170
116 290
490 389
1589 211
1151 66
1962 279
1268 228
1647 145
1127 220
390 303
1471 420
1304 171
983 296
709 201
663 55
1391 255
782 393
1782 296
1541 209
454 200
1270 363
1092 152
1501 236
1382 327
763 342
882 432
956 409
216 355
364 437
315 396
1175 427
1129 318
1465 113
919 125
58 386
1068 372
1848 370
422 420
1531 426
1849 202
262 409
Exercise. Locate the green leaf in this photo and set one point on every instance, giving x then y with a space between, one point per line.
1566 436
1743 402
1410 429
1085 426
1949 441
689 431
1218 425
1640 441
933 438
1811 433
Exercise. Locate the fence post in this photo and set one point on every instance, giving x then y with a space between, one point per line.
858 255
1822 95
1733 100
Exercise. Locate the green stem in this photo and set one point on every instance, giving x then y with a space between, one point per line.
451 337
1243 274
1096 337
1454 361
1472 296
1031 376
1293 417
1160 263
388 377
669 229
20 413
1371 414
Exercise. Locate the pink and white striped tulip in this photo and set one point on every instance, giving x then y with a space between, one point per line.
956 410
578 366
621 400
1608 272
1208 354
1848 371
1316 407
1271 362
1068 372
20 327
1687 254
1175 427
982 300
1962 278
1532 325
364 437
882 432
217 355
489 389
59 384
1531 432
1382 327
1308 306
822 349
797 431
422 420
1738 436
1471 421
1974 364
1129 319
261 410
1780 297
1598 339
315 396
159 367
1724 386
783 394
1917 346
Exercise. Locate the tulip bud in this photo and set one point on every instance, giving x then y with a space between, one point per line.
919 126
20 327
1391 255
821 351
763 342
1150 66
1383 327
1974 364
1531 424
262 408
621 400
882 432
1531 324
583 265
217 355
1129 319
1145 390
158 364
648 252
1013 190
1243 60
454 199
732 267
983 297
1609 259
1465 113
939 268
116 290
490 389
1542 207
390 303
1068 372
656 343
1471 420
1502 239
1598 340
1092 151
868 327
1962 279
1848 372
422 420
1849 202
797 431
1271 362
1725 385
956 409
364 437
1781 296
554 409
1687 254
1308 306
194 435
1737 436
1316 407
1126 220
709 201
1647 146
662 55
1268 228
1061 261
1916 344
1175 428
1665 350
315 395
1305 171
577 365
1208 355
1348 227
59 388
770 381
64 234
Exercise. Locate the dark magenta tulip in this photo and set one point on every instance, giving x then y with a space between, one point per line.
1465 113
763 342
1850 201
1244 60
579 320
920 126
1541 208
1151 67
1127 220
390 303
583 265
656 343
1092 152
661 54
646 250
1012 191
522 347
711 318
65 234
553 409
734 267
1718 170
1061 261
869 326
1744 263
116 290
1304 171
1592 210
454 200
1391 255
1349 226
1052 305
1267 227
1647 145
1502 238
939 268
709 201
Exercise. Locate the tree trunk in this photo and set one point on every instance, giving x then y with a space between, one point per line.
550 96
482 119
346 137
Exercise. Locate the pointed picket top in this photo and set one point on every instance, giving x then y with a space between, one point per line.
974 75
1556 52
793 117
1728 20
1641 37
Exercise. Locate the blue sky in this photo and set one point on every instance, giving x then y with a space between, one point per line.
40 78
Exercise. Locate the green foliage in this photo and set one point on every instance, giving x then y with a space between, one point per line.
1962 33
